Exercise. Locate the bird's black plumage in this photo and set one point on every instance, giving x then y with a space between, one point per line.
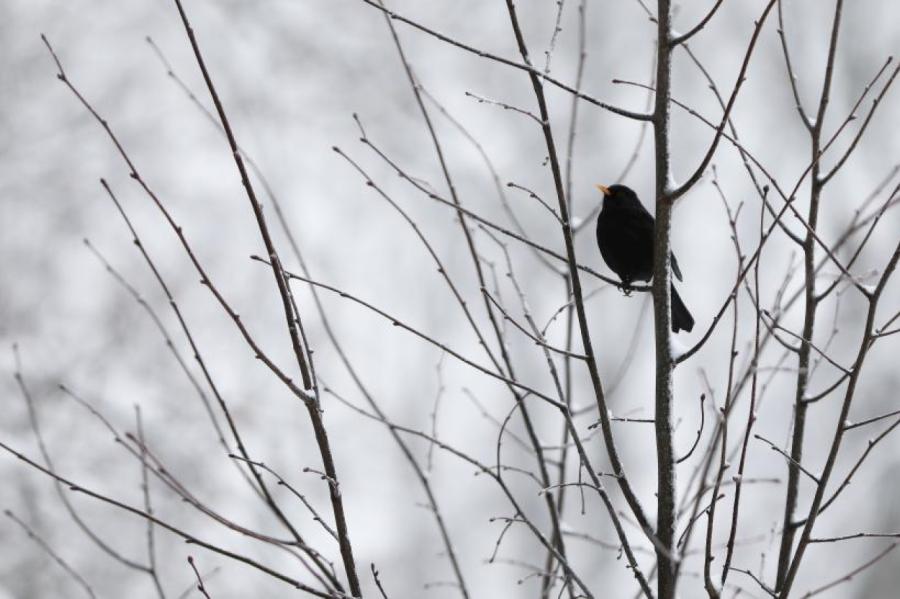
625 238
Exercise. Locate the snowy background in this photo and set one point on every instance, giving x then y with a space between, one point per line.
291 74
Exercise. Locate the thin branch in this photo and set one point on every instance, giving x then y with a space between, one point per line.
685 37
484 469
527 67
200 585
397 323
378 582
582 223
503 105
280 216
316 516
870 445
53 555
787 457
819 351
171 528
205 279
865 346
862 129
532 336
792 77
148 507
850 426
270 501
757 580
291 320
673 195
699 431
630 497
849 575
258 213
859 535
48 462
491 225
193 587
169 342
535 196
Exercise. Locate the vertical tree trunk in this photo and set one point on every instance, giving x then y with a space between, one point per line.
665 513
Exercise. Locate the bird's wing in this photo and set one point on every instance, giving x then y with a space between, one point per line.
675 270
641 227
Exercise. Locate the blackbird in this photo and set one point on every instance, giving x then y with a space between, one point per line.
625 238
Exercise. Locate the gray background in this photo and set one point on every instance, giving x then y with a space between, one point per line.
291 73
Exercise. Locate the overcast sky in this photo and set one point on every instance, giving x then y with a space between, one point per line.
291 74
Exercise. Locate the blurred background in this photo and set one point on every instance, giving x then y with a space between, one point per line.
291 74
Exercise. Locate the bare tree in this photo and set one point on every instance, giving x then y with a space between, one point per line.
692 530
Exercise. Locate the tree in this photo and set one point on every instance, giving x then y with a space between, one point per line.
690 531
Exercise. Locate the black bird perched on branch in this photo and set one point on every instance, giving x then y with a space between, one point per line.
625 237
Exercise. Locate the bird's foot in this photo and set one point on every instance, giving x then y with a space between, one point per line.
626 288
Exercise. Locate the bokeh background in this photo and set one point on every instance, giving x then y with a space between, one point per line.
291 74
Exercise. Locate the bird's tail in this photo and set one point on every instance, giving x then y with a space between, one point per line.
681 317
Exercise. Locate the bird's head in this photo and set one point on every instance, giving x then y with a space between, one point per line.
617 194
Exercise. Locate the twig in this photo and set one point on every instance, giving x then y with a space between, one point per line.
204 278
535 196
699 431
787 457
193 586
792 77
627 491
484 469
177 531
849 576
291 320
404 448
503 105
757 580
260 485
691 33
865 346
200 585
316 516
378 581
48 462
787 563
527 67
397 323
478 218
53 555
673 195
148 507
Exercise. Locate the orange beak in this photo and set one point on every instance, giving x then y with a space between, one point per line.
603 189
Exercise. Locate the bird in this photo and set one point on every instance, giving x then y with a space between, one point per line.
625 236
